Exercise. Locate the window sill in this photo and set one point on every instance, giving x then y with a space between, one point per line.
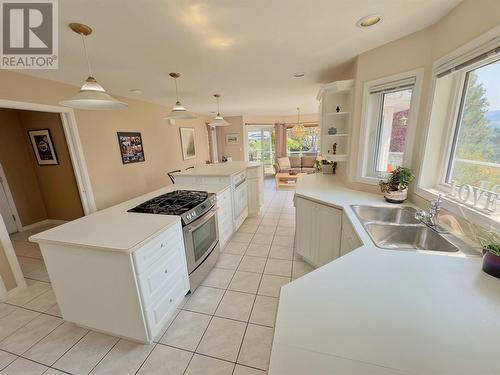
463 211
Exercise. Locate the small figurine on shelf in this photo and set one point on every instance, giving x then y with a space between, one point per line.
337 109
334 149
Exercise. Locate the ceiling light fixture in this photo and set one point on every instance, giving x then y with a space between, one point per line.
91 94
298 129
370 20
218 119
178 112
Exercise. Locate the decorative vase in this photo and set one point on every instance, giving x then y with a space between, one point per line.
491 264
398 196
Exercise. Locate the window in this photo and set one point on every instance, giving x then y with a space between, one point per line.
461 158
308 144
388 118
474 156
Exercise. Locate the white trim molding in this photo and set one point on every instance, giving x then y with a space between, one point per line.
418 75
74 145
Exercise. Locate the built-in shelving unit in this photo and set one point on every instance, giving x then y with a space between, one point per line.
331 96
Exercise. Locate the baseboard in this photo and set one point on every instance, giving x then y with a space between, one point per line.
42 223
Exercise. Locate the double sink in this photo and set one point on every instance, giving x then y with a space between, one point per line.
397 228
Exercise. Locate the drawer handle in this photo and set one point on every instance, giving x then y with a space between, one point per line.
171 300
162 245
166 271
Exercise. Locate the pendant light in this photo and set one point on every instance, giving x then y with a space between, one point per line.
218 120
178 111
298 129
91 95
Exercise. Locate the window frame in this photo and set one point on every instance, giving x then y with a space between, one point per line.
453 127
423 188
368 112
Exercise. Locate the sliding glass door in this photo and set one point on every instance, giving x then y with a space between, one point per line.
262 146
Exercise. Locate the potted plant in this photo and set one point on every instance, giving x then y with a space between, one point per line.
491 254
325 166
395 189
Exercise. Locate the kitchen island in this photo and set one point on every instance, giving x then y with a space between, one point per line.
377 311
246 180
118 272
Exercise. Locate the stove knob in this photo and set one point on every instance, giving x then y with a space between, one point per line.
188 216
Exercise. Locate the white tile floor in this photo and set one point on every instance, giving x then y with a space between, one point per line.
225 327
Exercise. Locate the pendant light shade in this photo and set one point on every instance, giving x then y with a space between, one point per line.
298 129
218 120
91 95
178 111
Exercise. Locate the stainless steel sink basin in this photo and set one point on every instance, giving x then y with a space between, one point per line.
396 215
420 237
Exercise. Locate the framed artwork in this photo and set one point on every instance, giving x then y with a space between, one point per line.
188 143
131 148
43 147
232 139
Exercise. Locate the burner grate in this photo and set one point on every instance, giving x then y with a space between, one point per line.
174 203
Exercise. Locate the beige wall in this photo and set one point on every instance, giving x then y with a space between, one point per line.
57 182
15 158
5 270
113 182
235 151
419 50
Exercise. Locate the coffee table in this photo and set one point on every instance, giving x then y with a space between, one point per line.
287 180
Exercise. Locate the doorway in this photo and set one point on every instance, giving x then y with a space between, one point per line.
7 209
261 146
36 195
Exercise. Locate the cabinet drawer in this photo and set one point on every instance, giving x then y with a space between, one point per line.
154 281
167 242
162 309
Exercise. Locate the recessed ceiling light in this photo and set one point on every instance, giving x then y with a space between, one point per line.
299 75
136 91
370 20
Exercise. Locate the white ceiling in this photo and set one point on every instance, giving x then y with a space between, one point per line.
246 50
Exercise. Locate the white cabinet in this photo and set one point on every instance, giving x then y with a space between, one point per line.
318 231
130 294
255 179
349 239
224 216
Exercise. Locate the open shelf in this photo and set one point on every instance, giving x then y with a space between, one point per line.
337 113
338 157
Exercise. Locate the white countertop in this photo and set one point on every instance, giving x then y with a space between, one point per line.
376 311
219 169
115 229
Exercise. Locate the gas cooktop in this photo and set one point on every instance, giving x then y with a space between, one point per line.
188 204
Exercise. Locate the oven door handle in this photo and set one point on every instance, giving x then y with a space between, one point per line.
206 218
241 182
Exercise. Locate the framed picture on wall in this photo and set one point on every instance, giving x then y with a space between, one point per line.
131 148
43 147
232 139
188 143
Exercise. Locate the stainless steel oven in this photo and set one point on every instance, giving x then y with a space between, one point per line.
201 241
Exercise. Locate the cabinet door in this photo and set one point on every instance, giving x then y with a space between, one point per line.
305 239
328 232
253 196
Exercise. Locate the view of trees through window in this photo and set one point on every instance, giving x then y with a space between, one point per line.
476 157
309 144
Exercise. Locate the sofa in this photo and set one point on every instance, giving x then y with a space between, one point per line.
300 164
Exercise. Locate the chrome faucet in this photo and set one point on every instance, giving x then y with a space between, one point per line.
431 217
